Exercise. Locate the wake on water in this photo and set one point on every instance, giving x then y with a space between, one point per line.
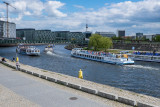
132 66
142 67
53 54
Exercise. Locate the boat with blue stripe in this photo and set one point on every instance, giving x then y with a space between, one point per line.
119 59
146 56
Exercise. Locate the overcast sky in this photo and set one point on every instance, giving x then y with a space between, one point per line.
101 15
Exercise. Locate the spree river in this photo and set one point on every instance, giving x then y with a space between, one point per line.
143 77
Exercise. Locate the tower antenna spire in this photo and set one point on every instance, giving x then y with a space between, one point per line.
86 25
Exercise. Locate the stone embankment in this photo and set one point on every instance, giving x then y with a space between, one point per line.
138 46
105 91
71 46
127 46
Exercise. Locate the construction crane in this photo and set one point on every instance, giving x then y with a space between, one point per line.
7 4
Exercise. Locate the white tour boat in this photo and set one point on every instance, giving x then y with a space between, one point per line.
102 57
145 56
28 50
49 48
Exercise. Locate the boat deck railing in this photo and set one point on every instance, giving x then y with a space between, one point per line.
146 53
102 54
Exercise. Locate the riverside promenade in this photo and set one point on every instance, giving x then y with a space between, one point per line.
18 89
21 90
38 87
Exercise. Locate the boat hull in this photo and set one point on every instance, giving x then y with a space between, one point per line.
104 61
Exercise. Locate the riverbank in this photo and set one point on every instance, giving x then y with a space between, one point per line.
116 51
71 46
106 91
16 88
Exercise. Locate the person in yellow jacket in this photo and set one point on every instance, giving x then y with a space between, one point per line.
17 64
17 59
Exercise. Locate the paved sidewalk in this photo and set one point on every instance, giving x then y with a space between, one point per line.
10 99
37 93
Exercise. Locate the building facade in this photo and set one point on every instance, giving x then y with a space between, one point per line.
87 34
62 35
149 37
121 33
41 35
25 34
139 35
77 37
106 34
11 30
47 35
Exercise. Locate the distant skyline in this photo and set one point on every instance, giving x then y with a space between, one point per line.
101 15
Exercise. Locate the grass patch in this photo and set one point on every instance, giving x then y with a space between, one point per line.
45 71
116 51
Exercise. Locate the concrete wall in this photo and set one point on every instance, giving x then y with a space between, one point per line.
138 46
90 90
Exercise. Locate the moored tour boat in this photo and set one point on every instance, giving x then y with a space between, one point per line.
28 50
146 56
102 57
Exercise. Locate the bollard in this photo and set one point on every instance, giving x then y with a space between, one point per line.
80 74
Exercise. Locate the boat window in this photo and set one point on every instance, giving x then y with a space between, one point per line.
155 57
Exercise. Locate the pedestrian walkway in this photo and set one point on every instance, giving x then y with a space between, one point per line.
41 94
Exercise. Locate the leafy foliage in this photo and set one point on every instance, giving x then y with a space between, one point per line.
116 38
97 42
157 38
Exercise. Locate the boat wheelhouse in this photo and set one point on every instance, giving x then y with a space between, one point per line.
102 57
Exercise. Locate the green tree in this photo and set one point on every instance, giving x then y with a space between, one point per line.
99 43
116 38
157 38
94 41
106 43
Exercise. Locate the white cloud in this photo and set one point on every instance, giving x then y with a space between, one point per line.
51 7
135 17
35 8
80 7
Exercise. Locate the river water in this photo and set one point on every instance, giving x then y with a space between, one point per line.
143 77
